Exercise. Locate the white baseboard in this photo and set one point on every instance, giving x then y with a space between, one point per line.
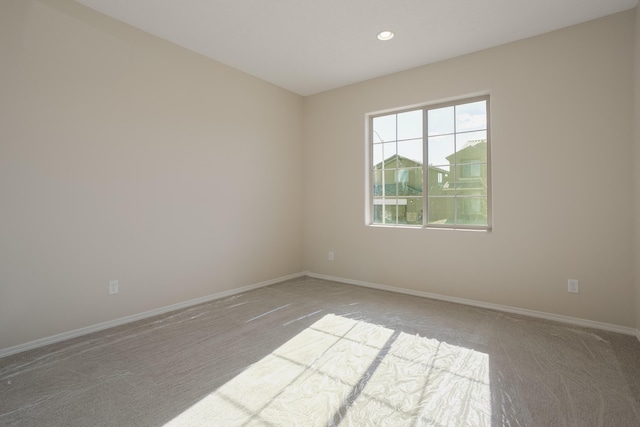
134 317
480 304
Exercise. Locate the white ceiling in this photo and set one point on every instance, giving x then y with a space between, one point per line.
309 46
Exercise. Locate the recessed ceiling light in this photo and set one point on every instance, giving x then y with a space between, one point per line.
385 35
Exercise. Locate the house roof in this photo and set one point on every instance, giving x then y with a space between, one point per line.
477 144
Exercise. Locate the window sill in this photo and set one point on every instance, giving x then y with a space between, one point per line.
428 227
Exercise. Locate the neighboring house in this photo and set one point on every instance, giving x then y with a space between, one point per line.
471 167
471 185
398 188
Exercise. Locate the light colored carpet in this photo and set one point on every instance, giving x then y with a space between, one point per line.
309 352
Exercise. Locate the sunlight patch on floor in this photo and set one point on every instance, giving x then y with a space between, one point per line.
353 373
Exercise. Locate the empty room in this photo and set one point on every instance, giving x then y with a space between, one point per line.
319 213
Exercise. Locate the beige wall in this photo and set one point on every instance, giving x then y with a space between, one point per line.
636 157
126 157
561 113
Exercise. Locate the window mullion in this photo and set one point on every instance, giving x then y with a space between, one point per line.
455 167
395 173
425 169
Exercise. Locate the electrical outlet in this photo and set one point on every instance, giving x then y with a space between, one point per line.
113 287
330 256
573 286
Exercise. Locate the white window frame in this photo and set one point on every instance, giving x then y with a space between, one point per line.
372 202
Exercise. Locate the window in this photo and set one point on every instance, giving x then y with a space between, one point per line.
430 166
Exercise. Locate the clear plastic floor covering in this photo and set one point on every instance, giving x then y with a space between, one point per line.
315 353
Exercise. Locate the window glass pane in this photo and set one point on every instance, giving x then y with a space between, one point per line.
402 211
410 125
471 210
414 211
377 156
384 128
411 150
472 180
441 121
402 177
470 170
377 183
444 170
409 181
439 178
389 151
472 116
390 213
390 187
472 147
441 210
439 148
377 212
416 180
